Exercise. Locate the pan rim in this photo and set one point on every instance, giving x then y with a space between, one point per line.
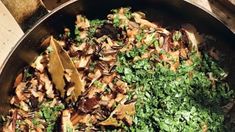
41 20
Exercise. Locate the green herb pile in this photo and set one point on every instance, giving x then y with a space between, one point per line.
187 99
184 100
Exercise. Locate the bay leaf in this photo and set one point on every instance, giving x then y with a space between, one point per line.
59 61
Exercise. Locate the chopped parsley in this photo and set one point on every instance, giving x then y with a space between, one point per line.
181 100
177 35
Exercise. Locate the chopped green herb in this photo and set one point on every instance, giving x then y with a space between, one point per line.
177 35
98 84
139 37
51 114
173 103
116 21
94 24
77 35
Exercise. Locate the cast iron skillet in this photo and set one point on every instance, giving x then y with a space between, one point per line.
166 12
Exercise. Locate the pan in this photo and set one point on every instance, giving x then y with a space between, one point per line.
166 12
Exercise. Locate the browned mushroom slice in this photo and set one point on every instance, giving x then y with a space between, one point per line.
37 64
110 122
81 47
109 79
18 79
82 22
121 86
83 34
94 76
120 97
109 52
108 58
132 33
94 89
90 50
24 106
83 61
58 62
67 125
184 53
19 91
193 36
125 112
88 104
143 22
133 25
163 31
80 118
48 85
11 125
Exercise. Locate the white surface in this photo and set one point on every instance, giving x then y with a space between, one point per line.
10 32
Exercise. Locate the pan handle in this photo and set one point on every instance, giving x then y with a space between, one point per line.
26 12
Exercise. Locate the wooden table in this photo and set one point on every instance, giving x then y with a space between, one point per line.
10 31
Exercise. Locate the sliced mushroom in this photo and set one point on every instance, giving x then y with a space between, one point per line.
94 90
88 104
121 86
90 50
108 79
81 47
48 85
82 22
83 34
24 106
163 31
193 36
94 76
110 122
18 79
83 61
108 58
80 118
125 112
19 91
67 125
38 65
138 19
11 125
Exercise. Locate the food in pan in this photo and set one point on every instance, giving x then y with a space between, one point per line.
124 73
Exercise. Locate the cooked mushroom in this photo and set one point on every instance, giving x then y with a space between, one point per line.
66 124
83 61
193 36
80 118
11 125
19 91
110 122
94 76
121 86
48 85
82 22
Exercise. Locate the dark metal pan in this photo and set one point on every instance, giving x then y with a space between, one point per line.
166 12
